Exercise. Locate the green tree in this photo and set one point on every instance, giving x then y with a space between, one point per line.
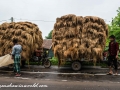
49 35
114 27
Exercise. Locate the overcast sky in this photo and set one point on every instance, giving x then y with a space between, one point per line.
46 11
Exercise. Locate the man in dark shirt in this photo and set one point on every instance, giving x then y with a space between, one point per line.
113 52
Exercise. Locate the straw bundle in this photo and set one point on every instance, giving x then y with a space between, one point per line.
78 37
27 33
94 37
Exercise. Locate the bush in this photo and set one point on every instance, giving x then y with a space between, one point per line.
54 61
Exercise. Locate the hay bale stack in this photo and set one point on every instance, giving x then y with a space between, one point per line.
94 37
76 37
28 34
66 37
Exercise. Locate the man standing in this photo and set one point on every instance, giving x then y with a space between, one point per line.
16 55
113 52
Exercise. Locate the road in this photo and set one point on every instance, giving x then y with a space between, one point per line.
57 84
59 79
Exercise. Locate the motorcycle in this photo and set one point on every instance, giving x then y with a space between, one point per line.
43 60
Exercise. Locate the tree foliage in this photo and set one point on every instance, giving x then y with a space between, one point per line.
114 27
49 35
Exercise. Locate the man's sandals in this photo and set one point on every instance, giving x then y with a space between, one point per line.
109 73
18 75
116 74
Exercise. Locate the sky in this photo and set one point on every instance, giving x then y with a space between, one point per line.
44 12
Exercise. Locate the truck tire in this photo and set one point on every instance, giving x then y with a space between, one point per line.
47 63
76 65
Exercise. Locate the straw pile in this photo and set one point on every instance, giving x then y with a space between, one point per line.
78 37
27 33
94 37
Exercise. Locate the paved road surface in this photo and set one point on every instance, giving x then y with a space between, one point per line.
57 84
60 79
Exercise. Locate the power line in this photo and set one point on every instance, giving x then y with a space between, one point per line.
3 20
34 20
13 19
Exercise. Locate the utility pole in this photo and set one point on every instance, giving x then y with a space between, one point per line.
12 19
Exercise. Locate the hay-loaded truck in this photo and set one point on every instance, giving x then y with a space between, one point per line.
28 35
77 38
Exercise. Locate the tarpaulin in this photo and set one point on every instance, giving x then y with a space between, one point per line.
6 60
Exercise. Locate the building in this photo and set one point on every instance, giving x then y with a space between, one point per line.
47 45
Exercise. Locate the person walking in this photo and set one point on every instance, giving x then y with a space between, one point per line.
113 52
16 55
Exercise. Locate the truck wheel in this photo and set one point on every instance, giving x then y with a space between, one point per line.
76 65
47 63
